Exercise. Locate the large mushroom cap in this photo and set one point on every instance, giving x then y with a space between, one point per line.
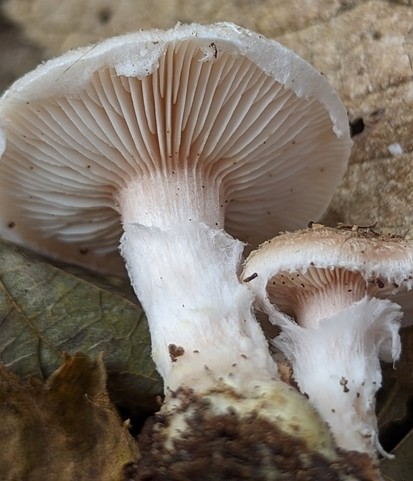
314 257
231 105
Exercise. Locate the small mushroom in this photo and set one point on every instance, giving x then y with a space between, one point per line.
343 289
173 135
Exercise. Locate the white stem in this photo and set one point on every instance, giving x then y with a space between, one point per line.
186 280
184 271
337 365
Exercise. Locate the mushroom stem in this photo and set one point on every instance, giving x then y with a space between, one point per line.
202 327
206 342
339 367
219 377
184 269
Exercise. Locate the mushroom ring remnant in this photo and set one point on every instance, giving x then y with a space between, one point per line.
173 135
344 289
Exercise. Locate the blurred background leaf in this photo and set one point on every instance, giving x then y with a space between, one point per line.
46 311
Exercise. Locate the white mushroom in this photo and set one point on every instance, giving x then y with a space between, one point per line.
176 134
343 289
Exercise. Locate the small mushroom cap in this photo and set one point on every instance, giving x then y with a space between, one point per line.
229 104
384 262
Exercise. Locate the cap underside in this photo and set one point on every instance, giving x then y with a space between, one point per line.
204 108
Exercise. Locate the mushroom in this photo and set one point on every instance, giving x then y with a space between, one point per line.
175 134
342 287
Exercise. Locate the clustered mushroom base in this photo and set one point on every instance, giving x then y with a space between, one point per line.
224 444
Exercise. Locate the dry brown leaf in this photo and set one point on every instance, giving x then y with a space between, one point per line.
66 429
64 25
367 54
17 55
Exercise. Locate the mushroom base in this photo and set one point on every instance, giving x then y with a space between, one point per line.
233 445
